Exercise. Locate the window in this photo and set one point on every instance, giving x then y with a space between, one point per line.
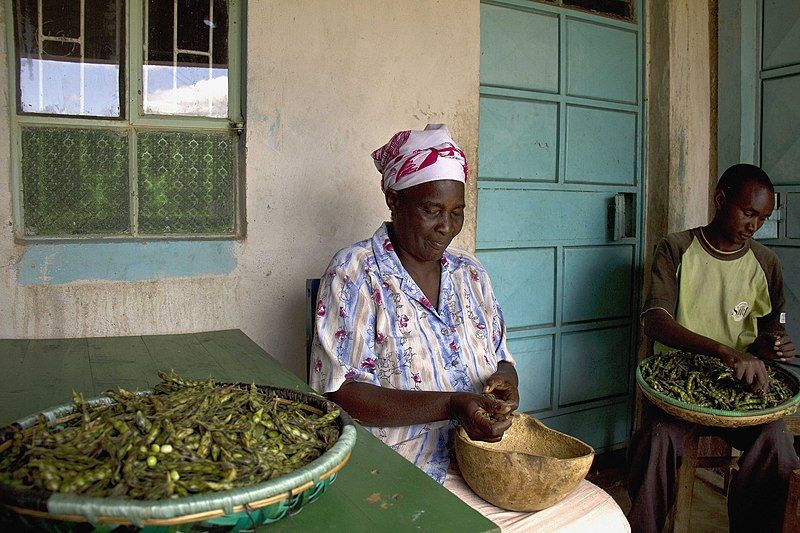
108 142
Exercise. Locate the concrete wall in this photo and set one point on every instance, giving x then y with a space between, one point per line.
327 82
679 143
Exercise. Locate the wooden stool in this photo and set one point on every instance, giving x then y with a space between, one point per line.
793 423
686 475
791 517
691 461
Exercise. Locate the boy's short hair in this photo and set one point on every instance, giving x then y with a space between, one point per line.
736 177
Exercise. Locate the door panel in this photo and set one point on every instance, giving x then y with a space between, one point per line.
534 356
793 218
597 283
594 364
601 146
603 424
518 139
781 33
513 273
780 126
560 137
519 48
525 217
790 259
602 61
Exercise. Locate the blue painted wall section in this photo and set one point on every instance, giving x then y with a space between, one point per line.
50 264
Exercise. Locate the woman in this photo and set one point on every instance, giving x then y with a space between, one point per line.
408 331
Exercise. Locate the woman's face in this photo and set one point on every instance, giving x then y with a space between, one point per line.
426 217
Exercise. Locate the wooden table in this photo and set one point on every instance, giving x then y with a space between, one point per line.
378 490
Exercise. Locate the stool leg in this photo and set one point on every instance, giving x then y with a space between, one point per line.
683 497
791 517
726 477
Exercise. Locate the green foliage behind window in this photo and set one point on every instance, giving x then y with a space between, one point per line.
185 182
75 181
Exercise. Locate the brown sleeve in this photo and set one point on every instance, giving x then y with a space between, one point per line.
770 323
663 291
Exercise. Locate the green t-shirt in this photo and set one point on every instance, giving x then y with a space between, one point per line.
727 296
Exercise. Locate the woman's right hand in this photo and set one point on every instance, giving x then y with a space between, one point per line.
481 417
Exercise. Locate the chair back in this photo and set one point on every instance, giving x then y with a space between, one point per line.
312 287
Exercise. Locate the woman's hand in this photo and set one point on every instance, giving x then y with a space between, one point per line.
503 385
481 417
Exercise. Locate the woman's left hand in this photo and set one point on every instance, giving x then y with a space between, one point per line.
503 385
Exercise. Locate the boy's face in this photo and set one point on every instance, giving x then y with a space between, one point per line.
741 216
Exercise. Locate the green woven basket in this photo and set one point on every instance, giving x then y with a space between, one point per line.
720 417
239 508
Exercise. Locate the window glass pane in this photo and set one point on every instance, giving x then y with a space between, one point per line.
74 181
186 182
69 61
62 49
186 58
219 52
191 20
61 18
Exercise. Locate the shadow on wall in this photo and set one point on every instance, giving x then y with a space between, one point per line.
320 217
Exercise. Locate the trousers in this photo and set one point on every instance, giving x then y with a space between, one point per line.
757 494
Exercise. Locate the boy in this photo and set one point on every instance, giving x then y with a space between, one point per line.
717 292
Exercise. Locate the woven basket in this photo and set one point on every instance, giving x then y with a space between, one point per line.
241 507
719 417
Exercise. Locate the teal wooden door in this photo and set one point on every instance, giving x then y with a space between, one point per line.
780 139
560 161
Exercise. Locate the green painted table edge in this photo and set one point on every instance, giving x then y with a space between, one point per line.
378 490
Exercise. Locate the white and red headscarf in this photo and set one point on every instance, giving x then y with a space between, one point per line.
414 157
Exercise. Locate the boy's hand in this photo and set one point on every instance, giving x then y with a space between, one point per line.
749 369
775 347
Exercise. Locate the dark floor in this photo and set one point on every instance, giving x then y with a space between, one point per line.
709 511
